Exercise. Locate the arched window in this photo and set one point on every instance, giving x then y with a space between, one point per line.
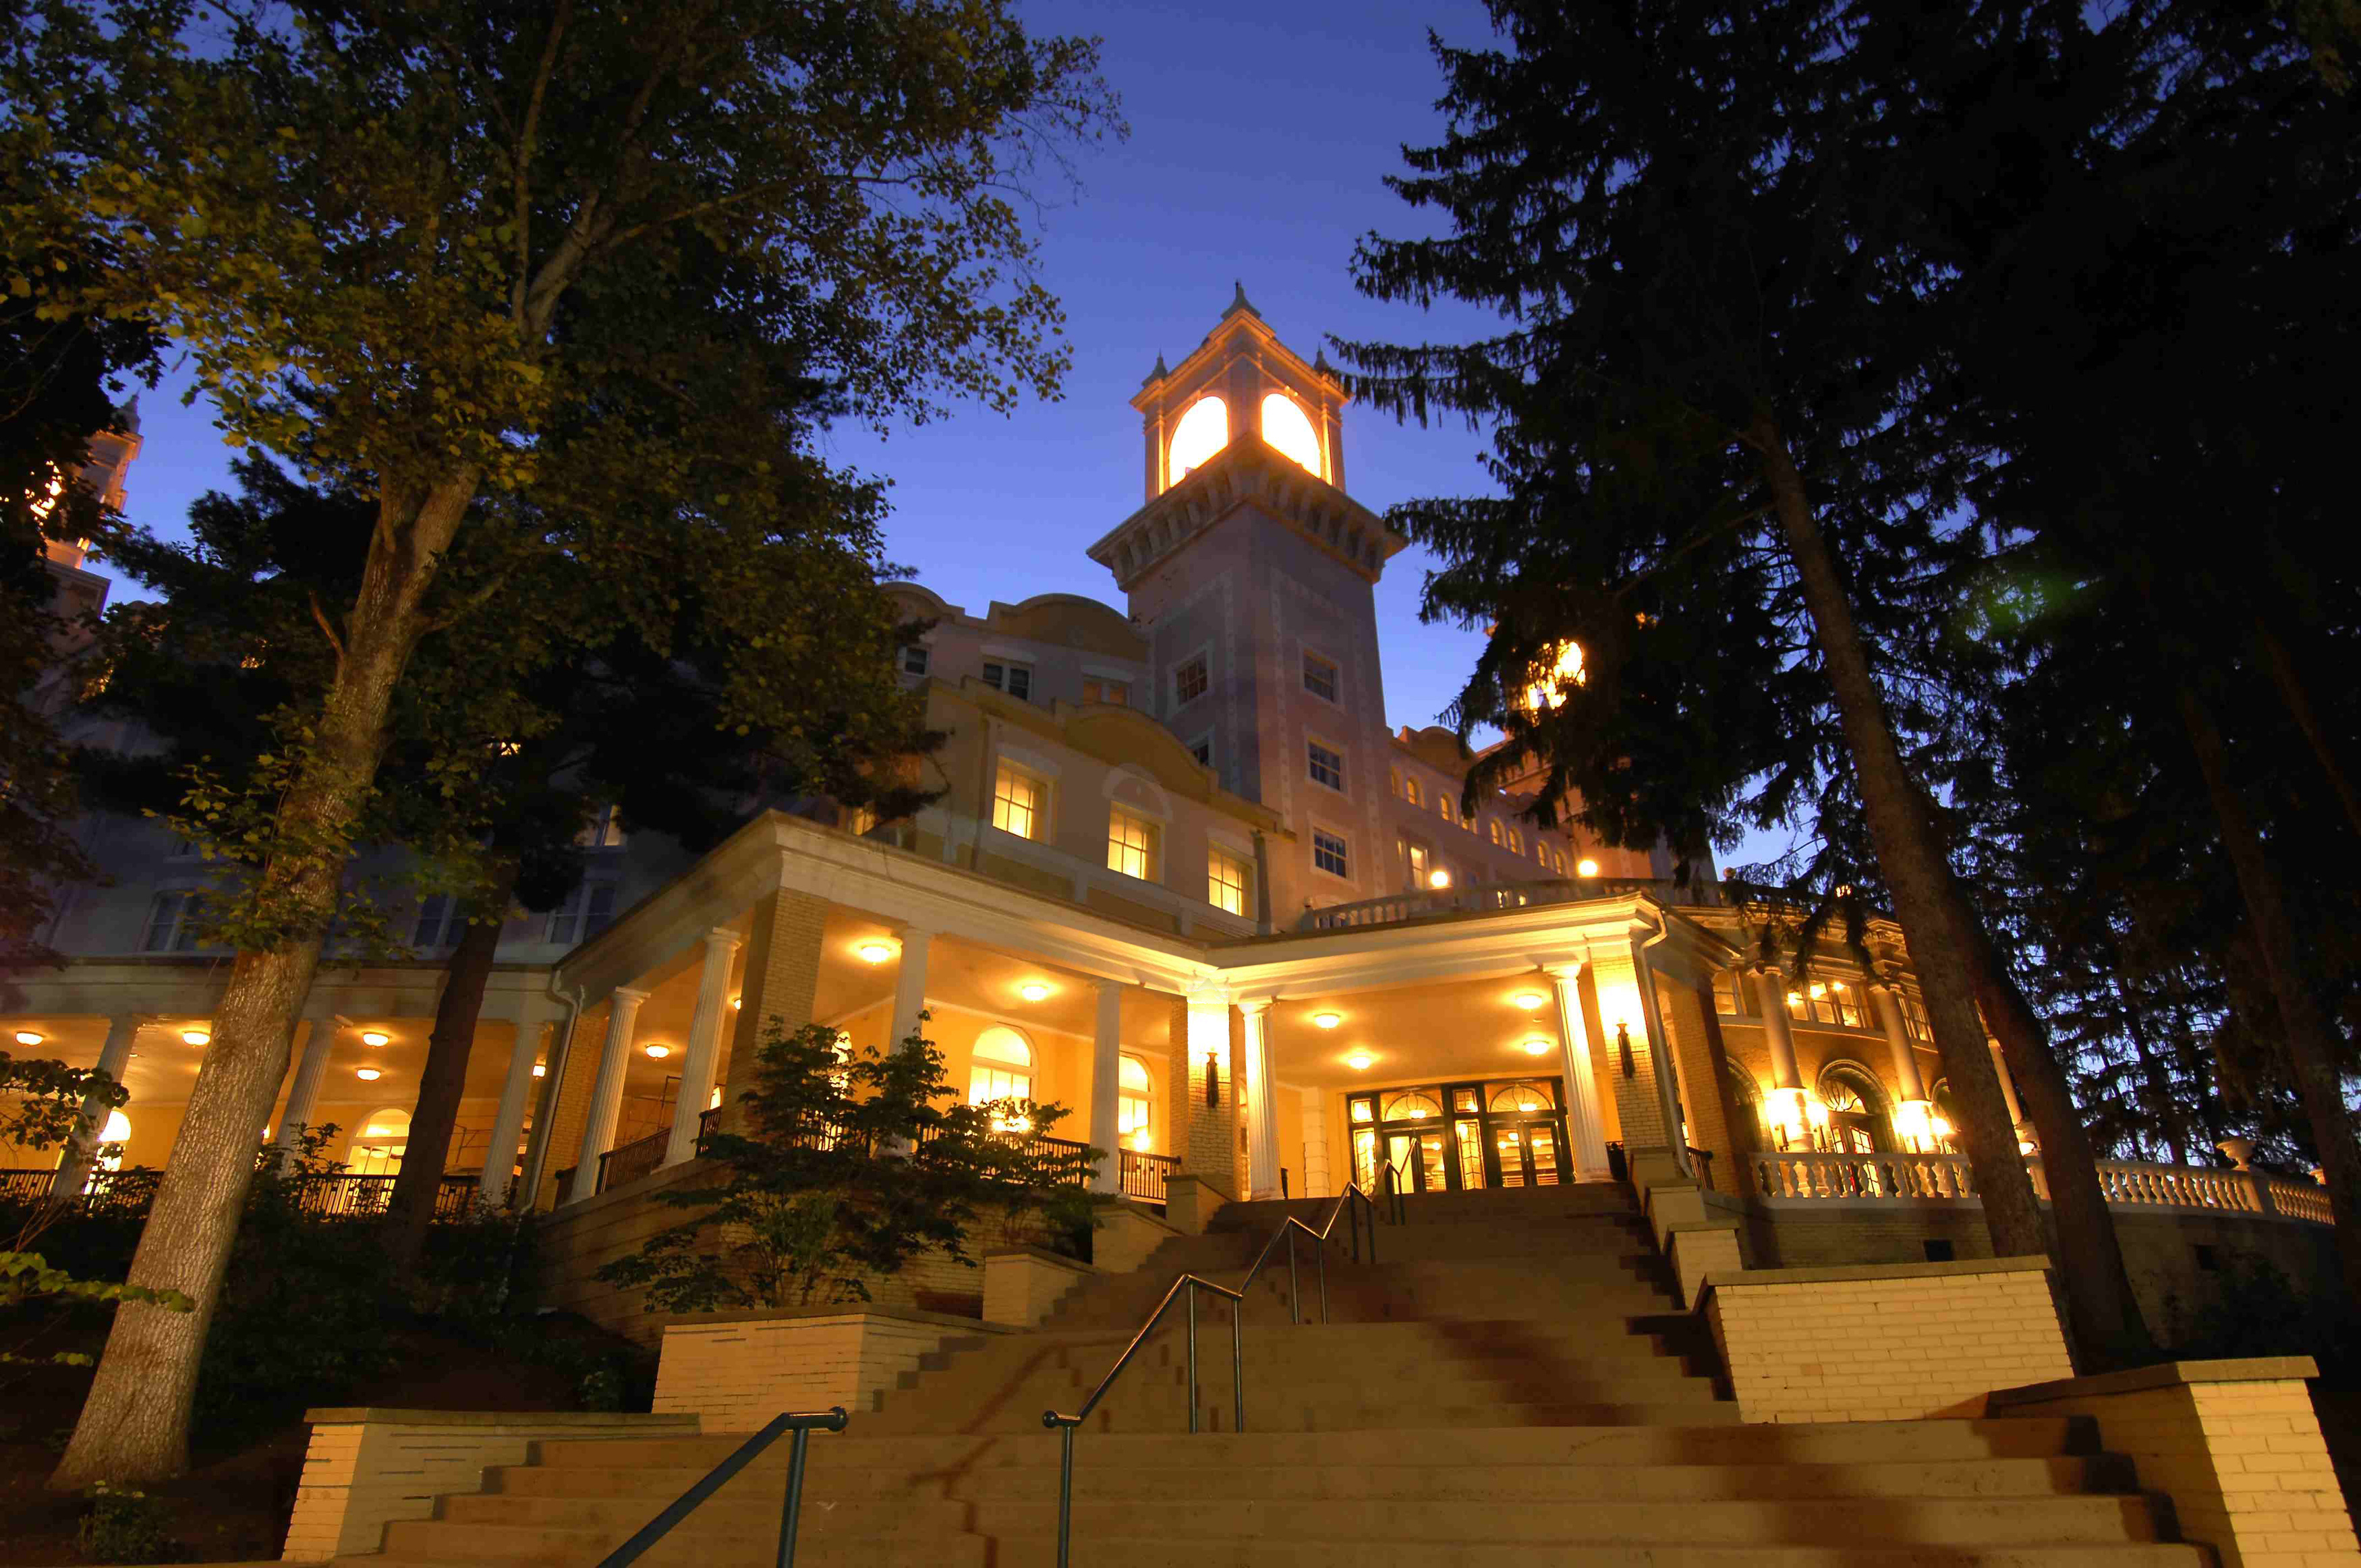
378 1147
1003 1068
1411 1106
1287 429
1132 1107
1203 431
1856 1110
1520 1097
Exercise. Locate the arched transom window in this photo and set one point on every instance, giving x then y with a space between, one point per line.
1132 1104
1002 1068
378 1147
1287 429
1203 431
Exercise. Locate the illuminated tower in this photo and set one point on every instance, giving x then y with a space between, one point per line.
1252 574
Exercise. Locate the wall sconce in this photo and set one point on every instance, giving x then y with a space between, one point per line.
1623 1044
1213 1082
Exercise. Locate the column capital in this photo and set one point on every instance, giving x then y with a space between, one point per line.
1564 971
627 995
724 937
1208 993
1255 1007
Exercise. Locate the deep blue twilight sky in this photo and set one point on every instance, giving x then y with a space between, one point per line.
1260 135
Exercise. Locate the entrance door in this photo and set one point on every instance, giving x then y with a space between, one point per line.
1419 1157
1528 1154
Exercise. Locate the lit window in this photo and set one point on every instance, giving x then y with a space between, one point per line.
1328 853
1913 1016
604 830
1409 792
377 1148
1327 767
1731 995
1189 681
1203 431
439 923
1116 692
1515 841
1002 1067
171 923
1131 844
1442 806
1016 680
1131 1108
1418 861
860 821
1557 860
1320 677
913 660
588 910
1287 429
1229 882
1016 802
1561 669
1494 823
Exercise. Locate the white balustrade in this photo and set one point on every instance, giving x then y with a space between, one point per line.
1812 1174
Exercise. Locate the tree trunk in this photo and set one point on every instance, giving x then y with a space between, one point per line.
1935 924
135 1424
2108 1327
2282 664
2311 1043
2161 1104
442 1084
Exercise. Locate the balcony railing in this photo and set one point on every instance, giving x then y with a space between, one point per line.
340 1196
1142 1175
628 1162
2127 1184
1490 898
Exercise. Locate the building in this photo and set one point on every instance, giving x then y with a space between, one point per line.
1183 878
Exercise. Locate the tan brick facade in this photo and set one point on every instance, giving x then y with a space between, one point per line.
735 1371
1885 1343
782 975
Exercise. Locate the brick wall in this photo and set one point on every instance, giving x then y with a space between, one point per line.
1022 1286
736 1371
780 979
365 1468
1705 1095
1886 1342
2236 1445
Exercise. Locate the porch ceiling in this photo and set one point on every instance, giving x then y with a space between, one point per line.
1422 1033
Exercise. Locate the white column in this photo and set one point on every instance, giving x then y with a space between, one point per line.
909 986
316 1038
1262 1102
1787 1101
607 1091
82 1148
1315 1143
2007 1086
516 1091
1106 1084
1586 1122
704 1052
537 1149
1913 1117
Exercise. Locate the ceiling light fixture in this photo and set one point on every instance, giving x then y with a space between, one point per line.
196 1037
1033 991
657 1053
27 1038
1531 1000
1537 1047
875 952
1358 1060
369 1074
1327 1020
373 1036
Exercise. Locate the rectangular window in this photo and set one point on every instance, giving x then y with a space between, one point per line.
1848 1003
1328 853
1320 677
1557 859
1017 802
1131 844
438 924
604 830
171 923
1728 990
588 910
914 659
1418 863
1188 682
1327 767
860 821
1229 881
1016 680
1913 1016
1201 748
1116 692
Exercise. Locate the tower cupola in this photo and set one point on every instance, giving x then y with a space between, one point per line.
1241 380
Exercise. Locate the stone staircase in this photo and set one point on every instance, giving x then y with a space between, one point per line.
1508 1384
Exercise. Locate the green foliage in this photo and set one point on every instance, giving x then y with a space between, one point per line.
851 1167
122 1524
1043 1182
2249 1307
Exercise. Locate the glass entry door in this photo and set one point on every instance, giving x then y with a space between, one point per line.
1527 1154
1419 1157
1460 1137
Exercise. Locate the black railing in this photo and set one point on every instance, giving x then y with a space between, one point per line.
336 1196
628 1162
1144 1176
1703 1160
656 1530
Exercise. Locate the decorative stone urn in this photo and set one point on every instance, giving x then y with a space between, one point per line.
2240 1151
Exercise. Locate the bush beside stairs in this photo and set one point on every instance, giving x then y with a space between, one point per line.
1510 1385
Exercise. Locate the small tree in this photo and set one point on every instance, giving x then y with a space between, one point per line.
852 1164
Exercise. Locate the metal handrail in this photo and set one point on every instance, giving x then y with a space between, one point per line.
1190 1284
680 1507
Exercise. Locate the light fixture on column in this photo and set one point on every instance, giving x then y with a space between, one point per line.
1438 879
1531 1000
373 1036
1785 1107
1914 1123
541 1069
196 1037
1327 1020
27 1038
1212 1080
874 952
657 1053
1358 1060
367 1074
1585 867
1033 991
736 1002
1537 1047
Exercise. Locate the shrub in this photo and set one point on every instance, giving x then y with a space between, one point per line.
123 1525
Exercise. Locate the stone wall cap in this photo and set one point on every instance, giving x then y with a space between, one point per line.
672 1321
1043 1254
2032 1263
2164 1375
378 1415
1684 1226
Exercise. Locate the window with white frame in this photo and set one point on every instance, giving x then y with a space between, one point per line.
1001 1068
914 659
1134 1103
1320 677
1229 881
588 910
440 923
171 923
1328 765
1131 844
1201 748
1189 681
1418 863
1116 692
1019 802
1016 680
1330 854
1913 1016
602 831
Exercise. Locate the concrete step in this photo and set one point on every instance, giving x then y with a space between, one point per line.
1156 1552
434 1541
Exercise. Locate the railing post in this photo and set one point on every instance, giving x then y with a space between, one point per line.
1192 1355
1066 1481
1294 1288
791 1513
1238 1365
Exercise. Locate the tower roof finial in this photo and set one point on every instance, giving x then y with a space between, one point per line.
1240 303
1159 373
